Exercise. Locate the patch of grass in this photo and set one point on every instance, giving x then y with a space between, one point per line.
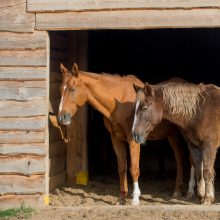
22 212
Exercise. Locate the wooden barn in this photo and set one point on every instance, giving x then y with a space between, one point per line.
154 40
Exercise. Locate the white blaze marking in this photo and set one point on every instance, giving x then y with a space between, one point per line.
61 101
135 116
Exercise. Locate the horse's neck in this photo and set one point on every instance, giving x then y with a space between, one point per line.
100 93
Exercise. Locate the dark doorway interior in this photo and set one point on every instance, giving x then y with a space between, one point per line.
153 56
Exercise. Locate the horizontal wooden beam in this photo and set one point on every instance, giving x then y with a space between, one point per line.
20 149
37 123
15 201
83 5
28 41
16 184
23 109
24 165
23 58
23 73
13 16
21 137
128 19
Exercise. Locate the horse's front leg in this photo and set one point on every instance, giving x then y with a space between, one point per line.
135 171
121 153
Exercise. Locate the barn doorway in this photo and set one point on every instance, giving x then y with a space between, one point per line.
151 55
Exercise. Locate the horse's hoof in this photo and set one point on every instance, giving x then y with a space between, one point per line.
135 202
208 201
177 194
190 195
121 202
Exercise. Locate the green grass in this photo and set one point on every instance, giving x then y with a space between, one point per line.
22 212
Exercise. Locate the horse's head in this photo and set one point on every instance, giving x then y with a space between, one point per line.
148 113
73 94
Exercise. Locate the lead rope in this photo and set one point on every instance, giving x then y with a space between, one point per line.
63 130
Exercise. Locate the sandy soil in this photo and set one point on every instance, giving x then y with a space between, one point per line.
98 199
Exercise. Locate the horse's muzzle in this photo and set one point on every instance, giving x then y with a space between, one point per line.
140 139
64 118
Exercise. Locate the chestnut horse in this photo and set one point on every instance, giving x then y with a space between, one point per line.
195 109
114 97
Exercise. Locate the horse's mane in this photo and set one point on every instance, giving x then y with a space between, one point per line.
104 75
182 99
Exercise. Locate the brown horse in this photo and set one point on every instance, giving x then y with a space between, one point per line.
114 97
196 111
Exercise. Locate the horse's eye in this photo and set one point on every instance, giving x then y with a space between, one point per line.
71 90
145 108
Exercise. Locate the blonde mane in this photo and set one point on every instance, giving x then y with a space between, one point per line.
182 100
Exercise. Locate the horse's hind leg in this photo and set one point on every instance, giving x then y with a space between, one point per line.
196 154
178 152
121 153
208 154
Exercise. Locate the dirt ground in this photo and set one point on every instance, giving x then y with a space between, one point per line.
97 201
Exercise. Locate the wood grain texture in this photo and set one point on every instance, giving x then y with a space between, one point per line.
57 164
83 5
30 123
13 16
17 137
22 109
57 180
21 149
23 73
24 165
22 90
57 148
23 58
15 184
15 201
16 41
129 19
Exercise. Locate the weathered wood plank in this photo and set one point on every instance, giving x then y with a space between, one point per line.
23 58
22 137
22 93
18 149
30 123
13 16
25 84
23 73
16 41
57 180
57 165
22 109
15 184
25 165
129 19
82 5
57 148
15 201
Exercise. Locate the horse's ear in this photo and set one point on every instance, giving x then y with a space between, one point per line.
63 69
136 87
75 70
148 90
